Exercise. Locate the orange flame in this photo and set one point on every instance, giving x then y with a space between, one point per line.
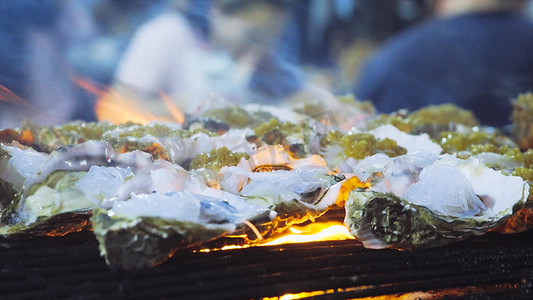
172 108
313 232
8 96
116 107
317 231
88 86
300 295
349 185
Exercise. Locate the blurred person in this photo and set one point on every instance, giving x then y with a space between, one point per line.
318 28
237 59
329 39
178 55
477 54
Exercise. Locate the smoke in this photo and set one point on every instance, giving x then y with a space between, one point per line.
202 56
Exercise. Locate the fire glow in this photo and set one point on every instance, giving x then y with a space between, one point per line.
8 96
116 107
312 232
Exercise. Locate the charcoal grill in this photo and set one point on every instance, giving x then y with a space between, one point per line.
492 266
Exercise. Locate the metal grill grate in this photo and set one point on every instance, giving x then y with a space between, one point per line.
492 266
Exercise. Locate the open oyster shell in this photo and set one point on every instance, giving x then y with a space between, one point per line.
148 228
448 200
45 185
295 190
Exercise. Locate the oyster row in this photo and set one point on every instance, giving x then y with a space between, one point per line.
144 210
149 190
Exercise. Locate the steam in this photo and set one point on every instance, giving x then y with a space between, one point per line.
178 62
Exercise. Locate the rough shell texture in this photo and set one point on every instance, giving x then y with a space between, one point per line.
452 199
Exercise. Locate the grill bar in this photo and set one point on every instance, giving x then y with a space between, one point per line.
70 266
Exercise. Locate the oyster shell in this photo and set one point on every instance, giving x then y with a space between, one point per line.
49 185
303 190
450 199
147 229
408 141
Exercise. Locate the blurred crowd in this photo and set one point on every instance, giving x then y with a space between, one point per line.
201 53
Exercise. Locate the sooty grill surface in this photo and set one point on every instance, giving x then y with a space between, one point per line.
488 267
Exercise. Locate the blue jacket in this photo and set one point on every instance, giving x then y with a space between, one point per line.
477 61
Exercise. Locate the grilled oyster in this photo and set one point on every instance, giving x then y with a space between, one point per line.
450 199
156 204
432 120
47 185
296 190
147 229
342 150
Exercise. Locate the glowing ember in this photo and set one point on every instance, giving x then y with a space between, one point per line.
298 296
229 247
305 294
319 231
520 221
313 232
26 137
432 294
